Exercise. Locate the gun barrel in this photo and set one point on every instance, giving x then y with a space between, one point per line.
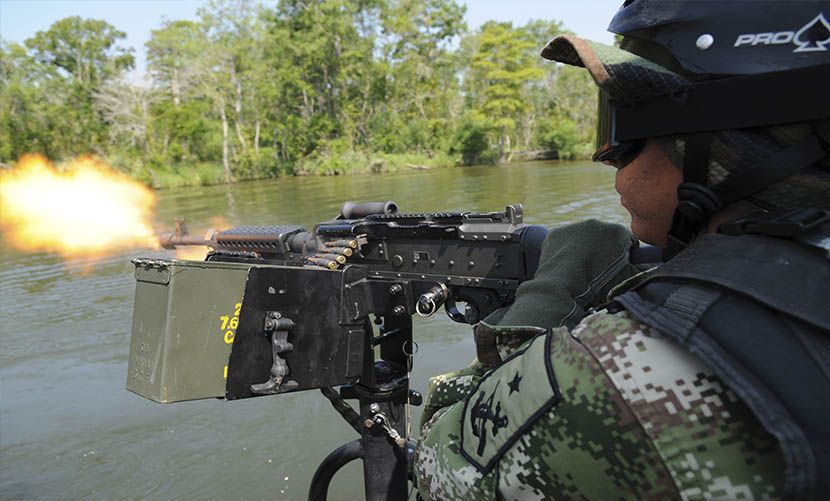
172 240
266 240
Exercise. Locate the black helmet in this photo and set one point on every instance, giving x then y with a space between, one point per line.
727 38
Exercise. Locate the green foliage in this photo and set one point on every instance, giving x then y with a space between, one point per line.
303 87
48 88
84 49
562 136
470 140
349 162
501 66
569 124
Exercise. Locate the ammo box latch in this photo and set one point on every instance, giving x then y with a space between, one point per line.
278 328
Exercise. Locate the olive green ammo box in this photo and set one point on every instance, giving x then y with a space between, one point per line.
184 322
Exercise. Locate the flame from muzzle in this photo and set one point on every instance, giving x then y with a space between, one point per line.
192 253
86 208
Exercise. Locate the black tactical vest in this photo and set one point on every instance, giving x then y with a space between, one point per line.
756 310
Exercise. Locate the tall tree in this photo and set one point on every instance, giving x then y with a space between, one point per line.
86 49
501 66
24 125
422 69
126 111
173 58
53 80
171 53
324 63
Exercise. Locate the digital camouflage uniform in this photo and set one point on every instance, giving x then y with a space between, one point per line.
608 410
638 418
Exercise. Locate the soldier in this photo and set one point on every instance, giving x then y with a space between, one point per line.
709 375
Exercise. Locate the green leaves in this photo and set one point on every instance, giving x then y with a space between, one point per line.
470 139
83 48
46 100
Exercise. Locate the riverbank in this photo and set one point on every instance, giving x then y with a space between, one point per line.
187 174
180 175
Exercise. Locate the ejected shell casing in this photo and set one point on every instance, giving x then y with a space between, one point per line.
342 243
345 251
325 263
333 257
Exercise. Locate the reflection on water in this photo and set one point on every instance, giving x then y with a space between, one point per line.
69 429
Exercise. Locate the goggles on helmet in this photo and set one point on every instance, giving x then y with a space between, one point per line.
729 103
609 150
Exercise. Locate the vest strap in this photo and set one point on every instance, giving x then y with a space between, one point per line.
774 272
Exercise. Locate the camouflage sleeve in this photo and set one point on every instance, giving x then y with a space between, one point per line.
611 410
448 389
589 444
711 443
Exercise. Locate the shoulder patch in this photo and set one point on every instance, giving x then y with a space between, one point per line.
507 402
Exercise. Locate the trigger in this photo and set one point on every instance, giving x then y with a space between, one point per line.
469 316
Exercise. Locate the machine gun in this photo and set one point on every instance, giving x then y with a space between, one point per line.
278 309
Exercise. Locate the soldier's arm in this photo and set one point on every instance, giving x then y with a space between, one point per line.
547 423
609 410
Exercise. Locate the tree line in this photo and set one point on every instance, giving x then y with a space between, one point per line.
308 86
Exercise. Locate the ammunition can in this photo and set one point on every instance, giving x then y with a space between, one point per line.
184 322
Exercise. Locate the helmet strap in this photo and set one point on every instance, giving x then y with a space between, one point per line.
696 203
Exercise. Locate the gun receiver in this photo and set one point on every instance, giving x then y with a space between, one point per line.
477 258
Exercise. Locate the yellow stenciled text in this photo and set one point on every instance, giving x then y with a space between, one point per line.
228 324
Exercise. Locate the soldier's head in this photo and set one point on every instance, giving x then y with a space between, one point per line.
711 108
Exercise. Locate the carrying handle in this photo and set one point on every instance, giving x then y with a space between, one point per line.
354 210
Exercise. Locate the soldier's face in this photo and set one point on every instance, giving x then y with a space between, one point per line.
648 191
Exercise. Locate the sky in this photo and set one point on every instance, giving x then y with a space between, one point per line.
21 19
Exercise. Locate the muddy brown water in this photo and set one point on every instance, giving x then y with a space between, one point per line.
69 429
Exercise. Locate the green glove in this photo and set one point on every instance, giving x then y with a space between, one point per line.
579 265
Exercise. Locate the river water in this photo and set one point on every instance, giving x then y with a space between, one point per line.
69 429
